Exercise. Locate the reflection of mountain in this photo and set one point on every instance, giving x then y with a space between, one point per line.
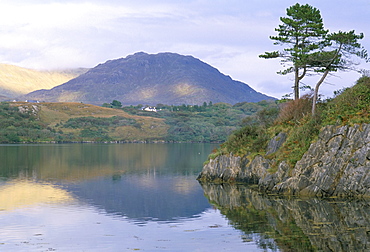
144 197
139 181
295 224
26 193
71 162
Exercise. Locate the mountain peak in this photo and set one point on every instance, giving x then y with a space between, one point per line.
143 78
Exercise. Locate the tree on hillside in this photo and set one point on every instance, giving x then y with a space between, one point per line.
302 33
337 55
116 104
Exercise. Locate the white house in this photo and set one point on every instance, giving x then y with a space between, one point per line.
152 109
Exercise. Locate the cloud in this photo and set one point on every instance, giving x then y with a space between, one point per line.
229 35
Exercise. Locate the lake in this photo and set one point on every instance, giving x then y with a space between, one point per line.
145 197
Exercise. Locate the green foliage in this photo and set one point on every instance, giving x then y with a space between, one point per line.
113 104
18 127
302 33
253 136
95 134
250 138
350 106
116 104
97 128
337 55
299 140
206 123
99 122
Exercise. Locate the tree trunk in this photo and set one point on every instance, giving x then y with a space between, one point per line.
316 92
297 79
296 83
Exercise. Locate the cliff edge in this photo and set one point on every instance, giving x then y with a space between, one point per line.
337 164
293 152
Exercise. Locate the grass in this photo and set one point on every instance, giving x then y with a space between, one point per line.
88 122
350 106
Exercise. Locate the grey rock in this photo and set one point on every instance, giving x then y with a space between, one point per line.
337 164
276 143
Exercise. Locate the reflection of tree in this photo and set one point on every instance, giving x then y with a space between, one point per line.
294 224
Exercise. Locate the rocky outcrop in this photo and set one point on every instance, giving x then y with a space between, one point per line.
235 169
337 164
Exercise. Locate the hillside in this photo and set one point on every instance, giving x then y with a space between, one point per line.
326 155
76 122
16 81
142 78
71 122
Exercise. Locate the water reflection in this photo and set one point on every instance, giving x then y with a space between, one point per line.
107 196
294 224
110 198
144 198
139 181
77 162
19 194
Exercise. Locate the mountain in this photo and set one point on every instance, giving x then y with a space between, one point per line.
16 81
142 78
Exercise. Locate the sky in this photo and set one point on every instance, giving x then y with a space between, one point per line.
227 34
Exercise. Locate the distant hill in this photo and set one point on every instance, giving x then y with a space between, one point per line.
142 78
16 81
75 122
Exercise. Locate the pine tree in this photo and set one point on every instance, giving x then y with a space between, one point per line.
302 32
337 55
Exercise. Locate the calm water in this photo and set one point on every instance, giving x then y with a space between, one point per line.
144 197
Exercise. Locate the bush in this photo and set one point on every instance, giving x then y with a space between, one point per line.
250 138
351 105
293 111
299 140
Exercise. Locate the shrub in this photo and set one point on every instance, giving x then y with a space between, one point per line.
250 138
352 105
299 140
293 111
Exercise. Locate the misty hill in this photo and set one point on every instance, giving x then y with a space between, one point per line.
16 81
143 78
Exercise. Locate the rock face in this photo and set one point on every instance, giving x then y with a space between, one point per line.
337 164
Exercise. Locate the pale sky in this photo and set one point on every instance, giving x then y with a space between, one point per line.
227 34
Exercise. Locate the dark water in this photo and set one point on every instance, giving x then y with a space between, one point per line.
144 197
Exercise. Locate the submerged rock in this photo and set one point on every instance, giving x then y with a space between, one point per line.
337 164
